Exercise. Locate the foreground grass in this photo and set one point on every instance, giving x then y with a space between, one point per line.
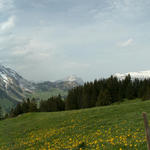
116 127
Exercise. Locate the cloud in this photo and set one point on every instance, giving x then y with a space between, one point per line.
33 49
74 36
6 5
7 17
10 23
126 43
76 65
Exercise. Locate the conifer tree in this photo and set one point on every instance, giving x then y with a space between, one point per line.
146 95
1 113
104 98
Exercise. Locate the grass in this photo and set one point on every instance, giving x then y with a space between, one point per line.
44 95
115 127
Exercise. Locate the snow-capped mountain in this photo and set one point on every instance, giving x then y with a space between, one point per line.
10 77
140 75
72 78
14 88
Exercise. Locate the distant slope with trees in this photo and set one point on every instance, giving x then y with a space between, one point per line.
98 93
107 91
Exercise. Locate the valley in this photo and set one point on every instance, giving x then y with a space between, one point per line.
14 88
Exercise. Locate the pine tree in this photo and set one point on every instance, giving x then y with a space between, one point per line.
146 95
18 110
104 98
1 113
33 106
72 100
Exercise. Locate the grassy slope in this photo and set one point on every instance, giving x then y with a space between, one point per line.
45 95
113 127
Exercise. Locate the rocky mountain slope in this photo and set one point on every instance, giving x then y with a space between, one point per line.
72 78
14 88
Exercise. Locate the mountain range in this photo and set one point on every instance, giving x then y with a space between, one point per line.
139 75
14 88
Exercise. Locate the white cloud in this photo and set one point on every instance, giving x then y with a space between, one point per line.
34 49
6 5
126 43
10 23
76 40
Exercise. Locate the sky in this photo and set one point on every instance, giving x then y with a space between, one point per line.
51 39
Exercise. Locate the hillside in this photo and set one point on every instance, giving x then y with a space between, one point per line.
14 88
115 127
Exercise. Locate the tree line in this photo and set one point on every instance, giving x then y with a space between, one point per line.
30 105
107 91
98 93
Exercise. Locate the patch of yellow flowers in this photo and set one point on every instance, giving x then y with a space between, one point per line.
78 136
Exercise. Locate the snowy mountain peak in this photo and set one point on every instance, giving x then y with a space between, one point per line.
140 75
9 76
15 88
7 72
72 78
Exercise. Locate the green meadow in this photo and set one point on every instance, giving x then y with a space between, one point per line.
44 95
115 127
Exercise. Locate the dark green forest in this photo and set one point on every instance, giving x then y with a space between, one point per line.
98 93
107 91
